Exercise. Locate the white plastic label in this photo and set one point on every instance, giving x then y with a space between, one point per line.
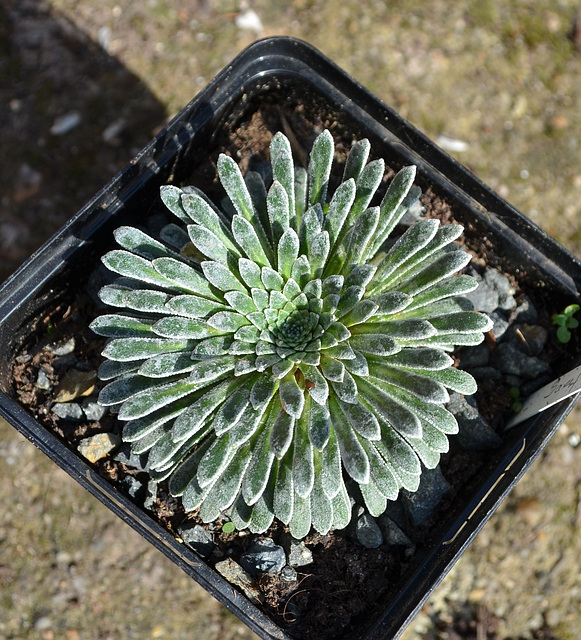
567 385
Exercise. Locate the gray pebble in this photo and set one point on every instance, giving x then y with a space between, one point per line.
525 312
93 410
420 504
396 512
413 214
484 297
392 534
126 456
197 538
528 338
500 324
42 381
299 554
475 433
367 532
512 361
68 410
501 284
62 349
151 498
263 556
133 487
288 574
43 623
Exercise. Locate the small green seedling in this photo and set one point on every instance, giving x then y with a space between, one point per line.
228 527
565 322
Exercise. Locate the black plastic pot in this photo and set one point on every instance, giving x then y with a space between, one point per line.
274 70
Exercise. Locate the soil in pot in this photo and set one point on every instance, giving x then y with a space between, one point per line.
346 582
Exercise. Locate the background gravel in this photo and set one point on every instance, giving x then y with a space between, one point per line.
84 84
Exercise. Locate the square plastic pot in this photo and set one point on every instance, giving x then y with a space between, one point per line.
276 69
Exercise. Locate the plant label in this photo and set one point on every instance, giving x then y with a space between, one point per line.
567 385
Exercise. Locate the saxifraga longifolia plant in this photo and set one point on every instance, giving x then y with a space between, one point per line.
270 357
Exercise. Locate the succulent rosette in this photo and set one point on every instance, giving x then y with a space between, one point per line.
269 354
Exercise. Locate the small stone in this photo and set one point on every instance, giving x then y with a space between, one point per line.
151 498
451 144
68 410
42 381
421 503
553 617
62 557
236 575
500 324
528 338
525 313
43 623
476 595
112 132
76 384
501 284
413 214
126 456
197 538
484 297
512 361
288 574
574 440
536 621
93 410
98 446
396 512
392 534
65 123
248 20
133 488
475 434
62 349
263 556
299 554
367 532
104 38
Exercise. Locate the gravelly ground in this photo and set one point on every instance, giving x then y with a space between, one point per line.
503 79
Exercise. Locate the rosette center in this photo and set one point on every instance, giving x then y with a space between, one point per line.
295 330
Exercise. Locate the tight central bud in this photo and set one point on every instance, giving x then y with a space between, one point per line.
295 329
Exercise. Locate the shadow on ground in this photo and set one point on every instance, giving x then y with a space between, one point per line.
71 116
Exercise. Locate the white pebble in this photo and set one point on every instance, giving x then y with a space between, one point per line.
249 21
66 123
451 144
